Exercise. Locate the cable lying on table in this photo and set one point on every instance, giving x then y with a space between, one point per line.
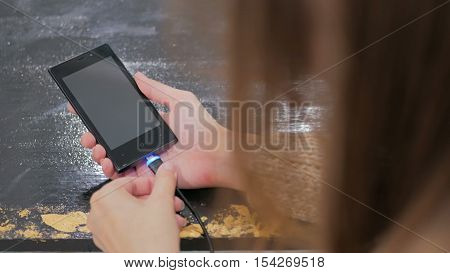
154 162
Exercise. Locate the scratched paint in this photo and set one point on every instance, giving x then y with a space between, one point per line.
233 222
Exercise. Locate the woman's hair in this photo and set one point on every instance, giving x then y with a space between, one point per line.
387 65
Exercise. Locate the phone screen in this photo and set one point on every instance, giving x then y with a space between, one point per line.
111 102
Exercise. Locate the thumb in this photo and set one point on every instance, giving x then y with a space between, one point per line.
165 181
154 90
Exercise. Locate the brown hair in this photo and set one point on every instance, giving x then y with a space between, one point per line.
387 65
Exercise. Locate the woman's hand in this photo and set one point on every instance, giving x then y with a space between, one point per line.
198 166
129 215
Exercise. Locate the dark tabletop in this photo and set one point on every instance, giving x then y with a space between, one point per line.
43 168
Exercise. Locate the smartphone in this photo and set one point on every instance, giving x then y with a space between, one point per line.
111 106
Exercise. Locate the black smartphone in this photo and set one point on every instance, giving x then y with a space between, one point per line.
111 106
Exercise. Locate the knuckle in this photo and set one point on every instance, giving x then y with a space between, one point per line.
189 95
95 199
159 198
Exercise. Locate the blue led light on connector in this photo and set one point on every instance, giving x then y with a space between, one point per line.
151 158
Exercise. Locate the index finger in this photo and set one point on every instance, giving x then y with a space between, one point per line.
140 186
70 108
156 91
111 190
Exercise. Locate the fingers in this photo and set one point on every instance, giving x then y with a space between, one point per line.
113 190
98 153
164 115
165 181
88 140
179 204
110 172
108 168
98 243
130 172
156 91
140 186
136 186
143 169
168 118
181 221
70 108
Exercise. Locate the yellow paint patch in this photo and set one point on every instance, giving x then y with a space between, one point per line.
191 231
65 222
236 221
60 236
24 213
29 233
5 227
84 229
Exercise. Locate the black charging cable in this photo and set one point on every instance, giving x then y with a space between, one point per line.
154 162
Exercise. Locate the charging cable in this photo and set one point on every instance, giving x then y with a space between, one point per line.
154 162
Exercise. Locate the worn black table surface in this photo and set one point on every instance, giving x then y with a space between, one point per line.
43 168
